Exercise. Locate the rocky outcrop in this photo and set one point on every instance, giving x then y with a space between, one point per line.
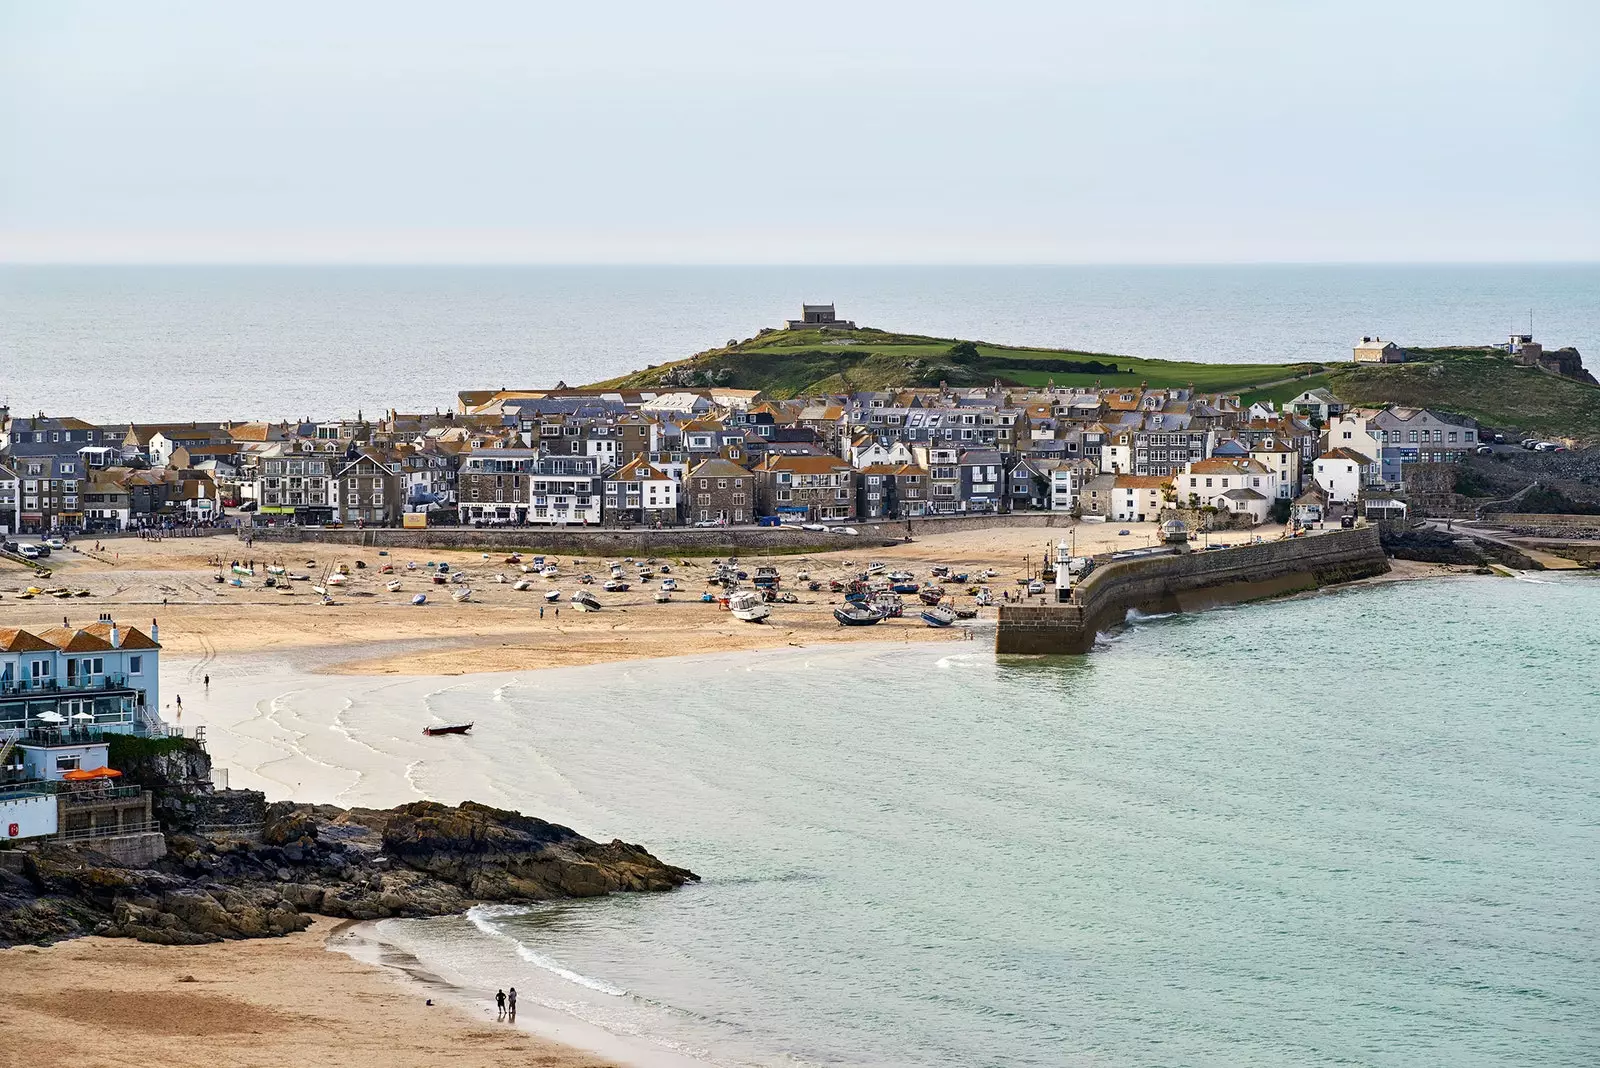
421 859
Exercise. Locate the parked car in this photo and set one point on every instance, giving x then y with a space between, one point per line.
8 546
769 521
55 543
1528 443
30 551
709 523
1484 450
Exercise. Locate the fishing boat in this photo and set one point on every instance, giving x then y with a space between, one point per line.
514 558
939 615
614 586
985 598
669 584
584 601
420 598
240 569
522 584
386 569
529 569
890 605
344 569
393 585
337 579
550 572
447 728
275 569
931 595
905 587
663 596
874 568
905 576
321 591
749 606
462 595
616 571
766 577
498 577
858 615
299 577
966 613
440 580
552 596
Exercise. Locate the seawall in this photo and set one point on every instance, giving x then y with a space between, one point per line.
593 541
1186 583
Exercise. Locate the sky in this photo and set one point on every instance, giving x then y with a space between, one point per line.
1059 131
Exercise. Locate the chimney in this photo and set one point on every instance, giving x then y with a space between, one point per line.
116 637
155 632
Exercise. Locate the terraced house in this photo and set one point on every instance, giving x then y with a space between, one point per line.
368 489
640 493
719 491
101 675
529 486
293 481
816 488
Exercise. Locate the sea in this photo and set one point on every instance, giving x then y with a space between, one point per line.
120 343
1356 828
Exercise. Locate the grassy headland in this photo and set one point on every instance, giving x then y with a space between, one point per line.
1484 383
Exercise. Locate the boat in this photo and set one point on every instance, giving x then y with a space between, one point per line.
344 569
498 577
959 577
584 601
420 598
320 590
393 585
386 569
905 587
939 615
663 596
749 606
613 586
275 569
966 613
616 571
439 579
668 585
931 595
462 595
240 569
858 615
889 605
550 572
766 577
232 582
529 569
447 728
874 568
906 576
299 577
552 596
337 579
514 558
800 576
522 584
985 598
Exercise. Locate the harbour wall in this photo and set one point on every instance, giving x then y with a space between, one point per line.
1186 583
594 541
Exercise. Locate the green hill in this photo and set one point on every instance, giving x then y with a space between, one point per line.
1484 383
793 363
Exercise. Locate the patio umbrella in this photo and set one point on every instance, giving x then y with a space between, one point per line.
52 717
86 774
82 716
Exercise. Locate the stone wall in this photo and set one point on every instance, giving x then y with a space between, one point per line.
130 850
1535 519
1189 582
684 541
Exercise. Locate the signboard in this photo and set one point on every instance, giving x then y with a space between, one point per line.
414 520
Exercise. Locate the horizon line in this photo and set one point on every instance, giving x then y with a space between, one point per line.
574 264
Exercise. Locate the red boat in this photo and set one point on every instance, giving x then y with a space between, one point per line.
449 728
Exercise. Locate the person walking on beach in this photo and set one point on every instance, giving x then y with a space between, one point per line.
500 1004
208 683
179 698
511 1006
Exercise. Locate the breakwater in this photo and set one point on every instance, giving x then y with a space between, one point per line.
1188 582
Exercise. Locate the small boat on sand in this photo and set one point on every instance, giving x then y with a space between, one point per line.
584 601
447 728
393 585
552 596
939 615
522 584
420 598
749 606
462 595
857 615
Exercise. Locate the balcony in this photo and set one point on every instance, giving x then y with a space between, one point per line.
82 684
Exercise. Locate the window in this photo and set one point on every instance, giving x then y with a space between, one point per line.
67 763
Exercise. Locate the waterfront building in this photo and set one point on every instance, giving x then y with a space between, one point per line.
819 317
102 675
640 493
819 488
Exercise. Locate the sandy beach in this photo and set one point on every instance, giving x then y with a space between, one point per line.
109 1003
373 631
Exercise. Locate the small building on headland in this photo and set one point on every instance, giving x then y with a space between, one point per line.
819 317
1377 350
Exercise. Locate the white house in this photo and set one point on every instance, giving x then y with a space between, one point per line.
1063 488
1138 498
1353 431
1341 473
1207 483
895 453
1319 403
100 675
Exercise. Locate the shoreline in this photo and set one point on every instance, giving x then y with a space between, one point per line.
249 1003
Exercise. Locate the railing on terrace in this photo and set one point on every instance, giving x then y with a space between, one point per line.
91 684
93 796
138 827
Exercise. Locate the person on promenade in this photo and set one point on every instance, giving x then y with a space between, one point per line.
511 1006
500 1004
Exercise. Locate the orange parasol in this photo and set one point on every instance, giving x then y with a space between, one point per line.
85 774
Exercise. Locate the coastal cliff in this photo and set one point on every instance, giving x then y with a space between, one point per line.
420 859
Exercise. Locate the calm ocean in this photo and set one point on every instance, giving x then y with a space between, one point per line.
1357 828
154 343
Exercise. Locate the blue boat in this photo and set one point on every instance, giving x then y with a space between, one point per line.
420 598
905 587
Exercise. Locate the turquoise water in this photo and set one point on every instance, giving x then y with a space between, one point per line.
286 342
1350 829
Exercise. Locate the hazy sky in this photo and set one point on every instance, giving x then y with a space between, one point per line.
861 132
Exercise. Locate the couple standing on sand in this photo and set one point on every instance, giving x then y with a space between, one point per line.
507 1004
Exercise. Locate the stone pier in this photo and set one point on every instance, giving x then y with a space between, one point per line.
1188 582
